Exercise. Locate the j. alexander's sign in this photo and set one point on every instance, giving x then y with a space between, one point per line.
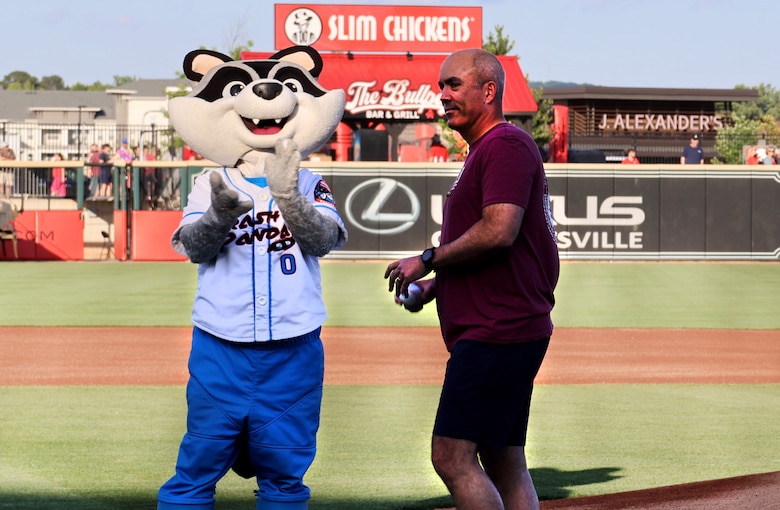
659 122
378 27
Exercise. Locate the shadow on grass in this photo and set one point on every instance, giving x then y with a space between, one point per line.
550 484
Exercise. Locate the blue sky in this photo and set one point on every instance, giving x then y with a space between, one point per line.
616 43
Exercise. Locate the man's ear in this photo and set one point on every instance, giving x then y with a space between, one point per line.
490 91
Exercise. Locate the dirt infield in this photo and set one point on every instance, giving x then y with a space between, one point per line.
143 356
386 356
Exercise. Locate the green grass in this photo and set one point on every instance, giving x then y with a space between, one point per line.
100 448
86 448
630 295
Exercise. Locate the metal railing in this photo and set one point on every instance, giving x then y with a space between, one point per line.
33 141
142 185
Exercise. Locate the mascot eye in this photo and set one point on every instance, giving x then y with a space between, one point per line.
293 85
233 88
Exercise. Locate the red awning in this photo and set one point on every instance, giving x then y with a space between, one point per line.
389 87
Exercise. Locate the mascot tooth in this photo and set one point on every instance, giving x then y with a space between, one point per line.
256 227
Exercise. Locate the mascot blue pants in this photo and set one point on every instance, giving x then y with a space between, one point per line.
229 401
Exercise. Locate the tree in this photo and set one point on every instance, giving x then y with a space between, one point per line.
455 144
731 139
19 80
95 87
752 122
541 130
123 80
235 51
53 82
236 42
498 44
768 103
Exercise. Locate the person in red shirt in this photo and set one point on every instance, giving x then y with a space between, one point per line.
630 158
496 268
752 158
438 152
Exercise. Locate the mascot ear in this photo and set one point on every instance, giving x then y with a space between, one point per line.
199 62
305 56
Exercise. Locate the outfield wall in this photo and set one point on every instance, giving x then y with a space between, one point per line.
601 212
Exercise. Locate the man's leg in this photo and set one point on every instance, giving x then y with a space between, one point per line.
508 470
455 461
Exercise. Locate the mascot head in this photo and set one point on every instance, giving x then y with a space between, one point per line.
238 109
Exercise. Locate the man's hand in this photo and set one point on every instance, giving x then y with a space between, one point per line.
403 272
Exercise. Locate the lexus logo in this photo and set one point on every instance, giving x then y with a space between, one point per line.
374 194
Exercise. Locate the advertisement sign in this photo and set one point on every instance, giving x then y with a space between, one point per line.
386 88
659 122
399 28
599 214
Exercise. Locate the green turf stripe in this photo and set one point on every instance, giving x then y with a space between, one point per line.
625 295
111 447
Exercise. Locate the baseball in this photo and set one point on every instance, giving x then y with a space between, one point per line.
414 300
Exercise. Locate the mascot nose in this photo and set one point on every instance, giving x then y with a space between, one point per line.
267 90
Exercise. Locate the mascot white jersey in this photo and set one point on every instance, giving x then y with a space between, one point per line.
257 228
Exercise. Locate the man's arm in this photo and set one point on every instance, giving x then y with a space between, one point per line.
498 228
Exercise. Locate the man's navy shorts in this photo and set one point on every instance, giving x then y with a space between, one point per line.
486 396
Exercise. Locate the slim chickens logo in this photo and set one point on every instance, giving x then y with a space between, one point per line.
303 27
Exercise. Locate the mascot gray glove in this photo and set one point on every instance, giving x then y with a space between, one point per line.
204 238
316 233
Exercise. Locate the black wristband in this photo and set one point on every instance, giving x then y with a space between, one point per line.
427 258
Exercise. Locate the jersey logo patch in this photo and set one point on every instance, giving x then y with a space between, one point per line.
322 193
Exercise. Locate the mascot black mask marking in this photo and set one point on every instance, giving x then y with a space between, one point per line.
254 103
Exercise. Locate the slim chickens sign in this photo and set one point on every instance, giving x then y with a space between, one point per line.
378 27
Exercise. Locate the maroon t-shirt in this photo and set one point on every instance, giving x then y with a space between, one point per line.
507 296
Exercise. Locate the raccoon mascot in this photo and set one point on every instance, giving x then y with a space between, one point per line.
256 227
